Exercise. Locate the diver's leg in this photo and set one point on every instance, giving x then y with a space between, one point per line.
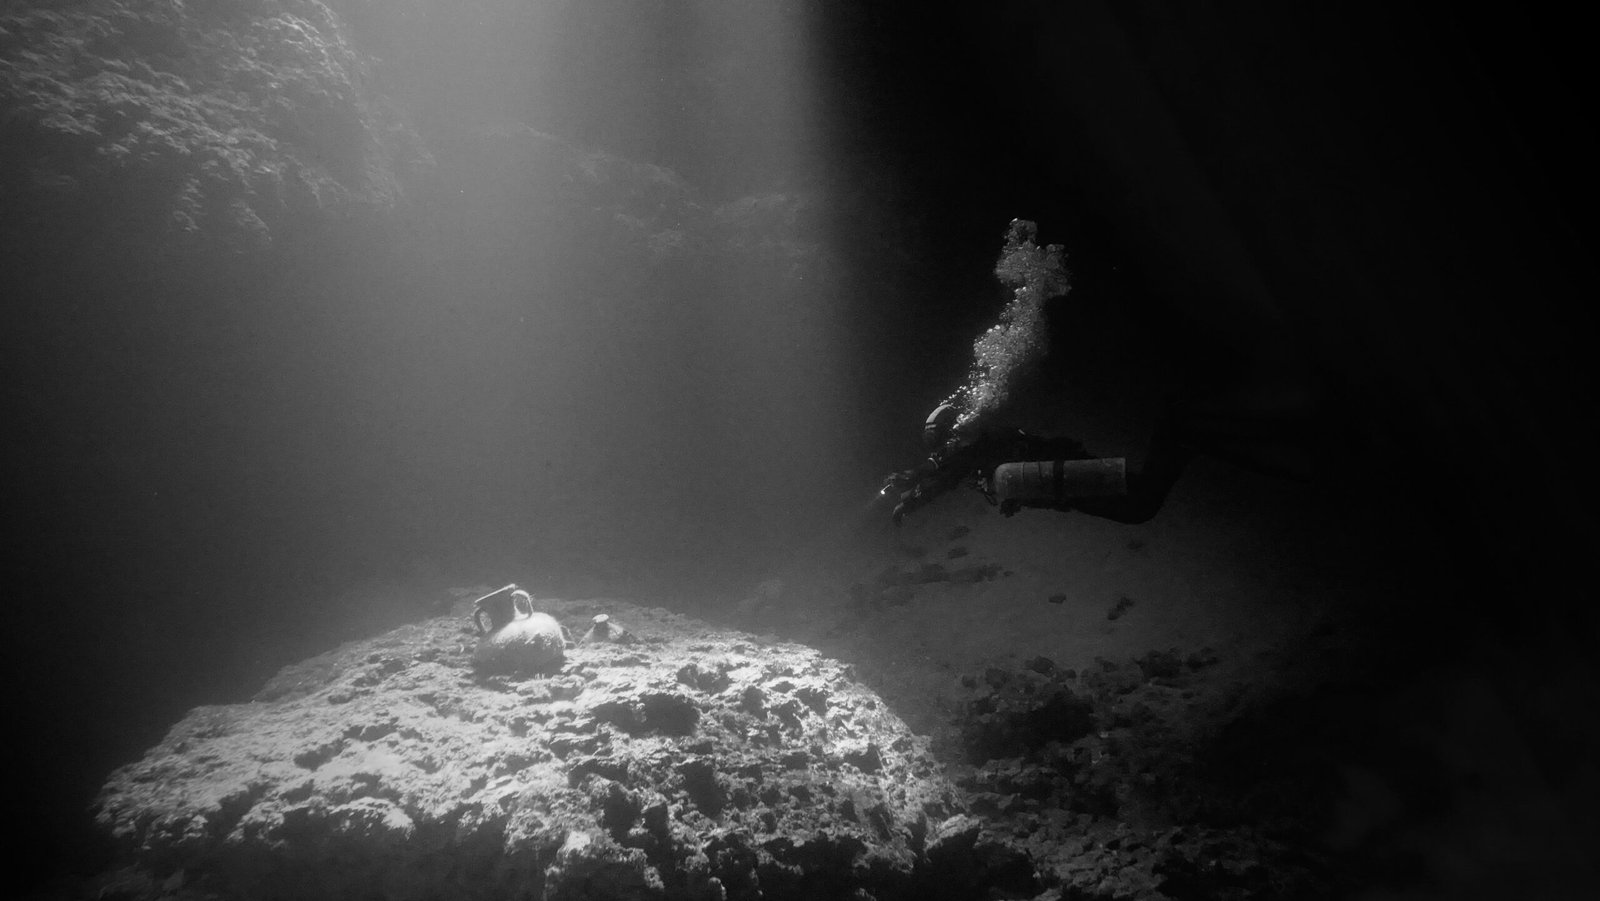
1149 486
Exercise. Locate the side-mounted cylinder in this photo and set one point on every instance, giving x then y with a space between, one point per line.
1046 482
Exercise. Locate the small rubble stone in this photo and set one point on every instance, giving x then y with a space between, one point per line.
1042 665
1161 664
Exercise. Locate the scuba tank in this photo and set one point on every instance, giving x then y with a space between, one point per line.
1054 482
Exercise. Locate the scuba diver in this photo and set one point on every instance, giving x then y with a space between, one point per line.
1015 469
1279 430
1270 426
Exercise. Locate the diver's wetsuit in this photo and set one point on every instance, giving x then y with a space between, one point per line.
976 456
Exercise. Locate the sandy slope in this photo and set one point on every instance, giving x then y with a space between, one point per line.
1401 744
1238 563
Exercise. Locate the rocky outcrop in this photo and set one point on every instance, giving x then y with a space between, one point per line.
1108 783
687 763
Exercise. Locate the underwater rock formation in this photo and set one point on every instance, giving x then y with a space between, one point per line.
690 763
206 126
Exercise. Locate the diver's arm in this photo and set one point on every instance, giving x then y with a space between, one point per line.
943 470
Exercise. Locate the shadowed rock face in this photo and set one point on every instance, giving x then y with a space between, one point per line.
206 127
691 763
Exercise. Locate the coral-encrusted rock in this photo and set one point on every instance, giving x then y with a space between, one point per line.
693 763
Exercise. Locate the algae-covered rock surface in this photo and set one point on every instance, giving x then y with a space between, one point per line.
690 762
208 126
